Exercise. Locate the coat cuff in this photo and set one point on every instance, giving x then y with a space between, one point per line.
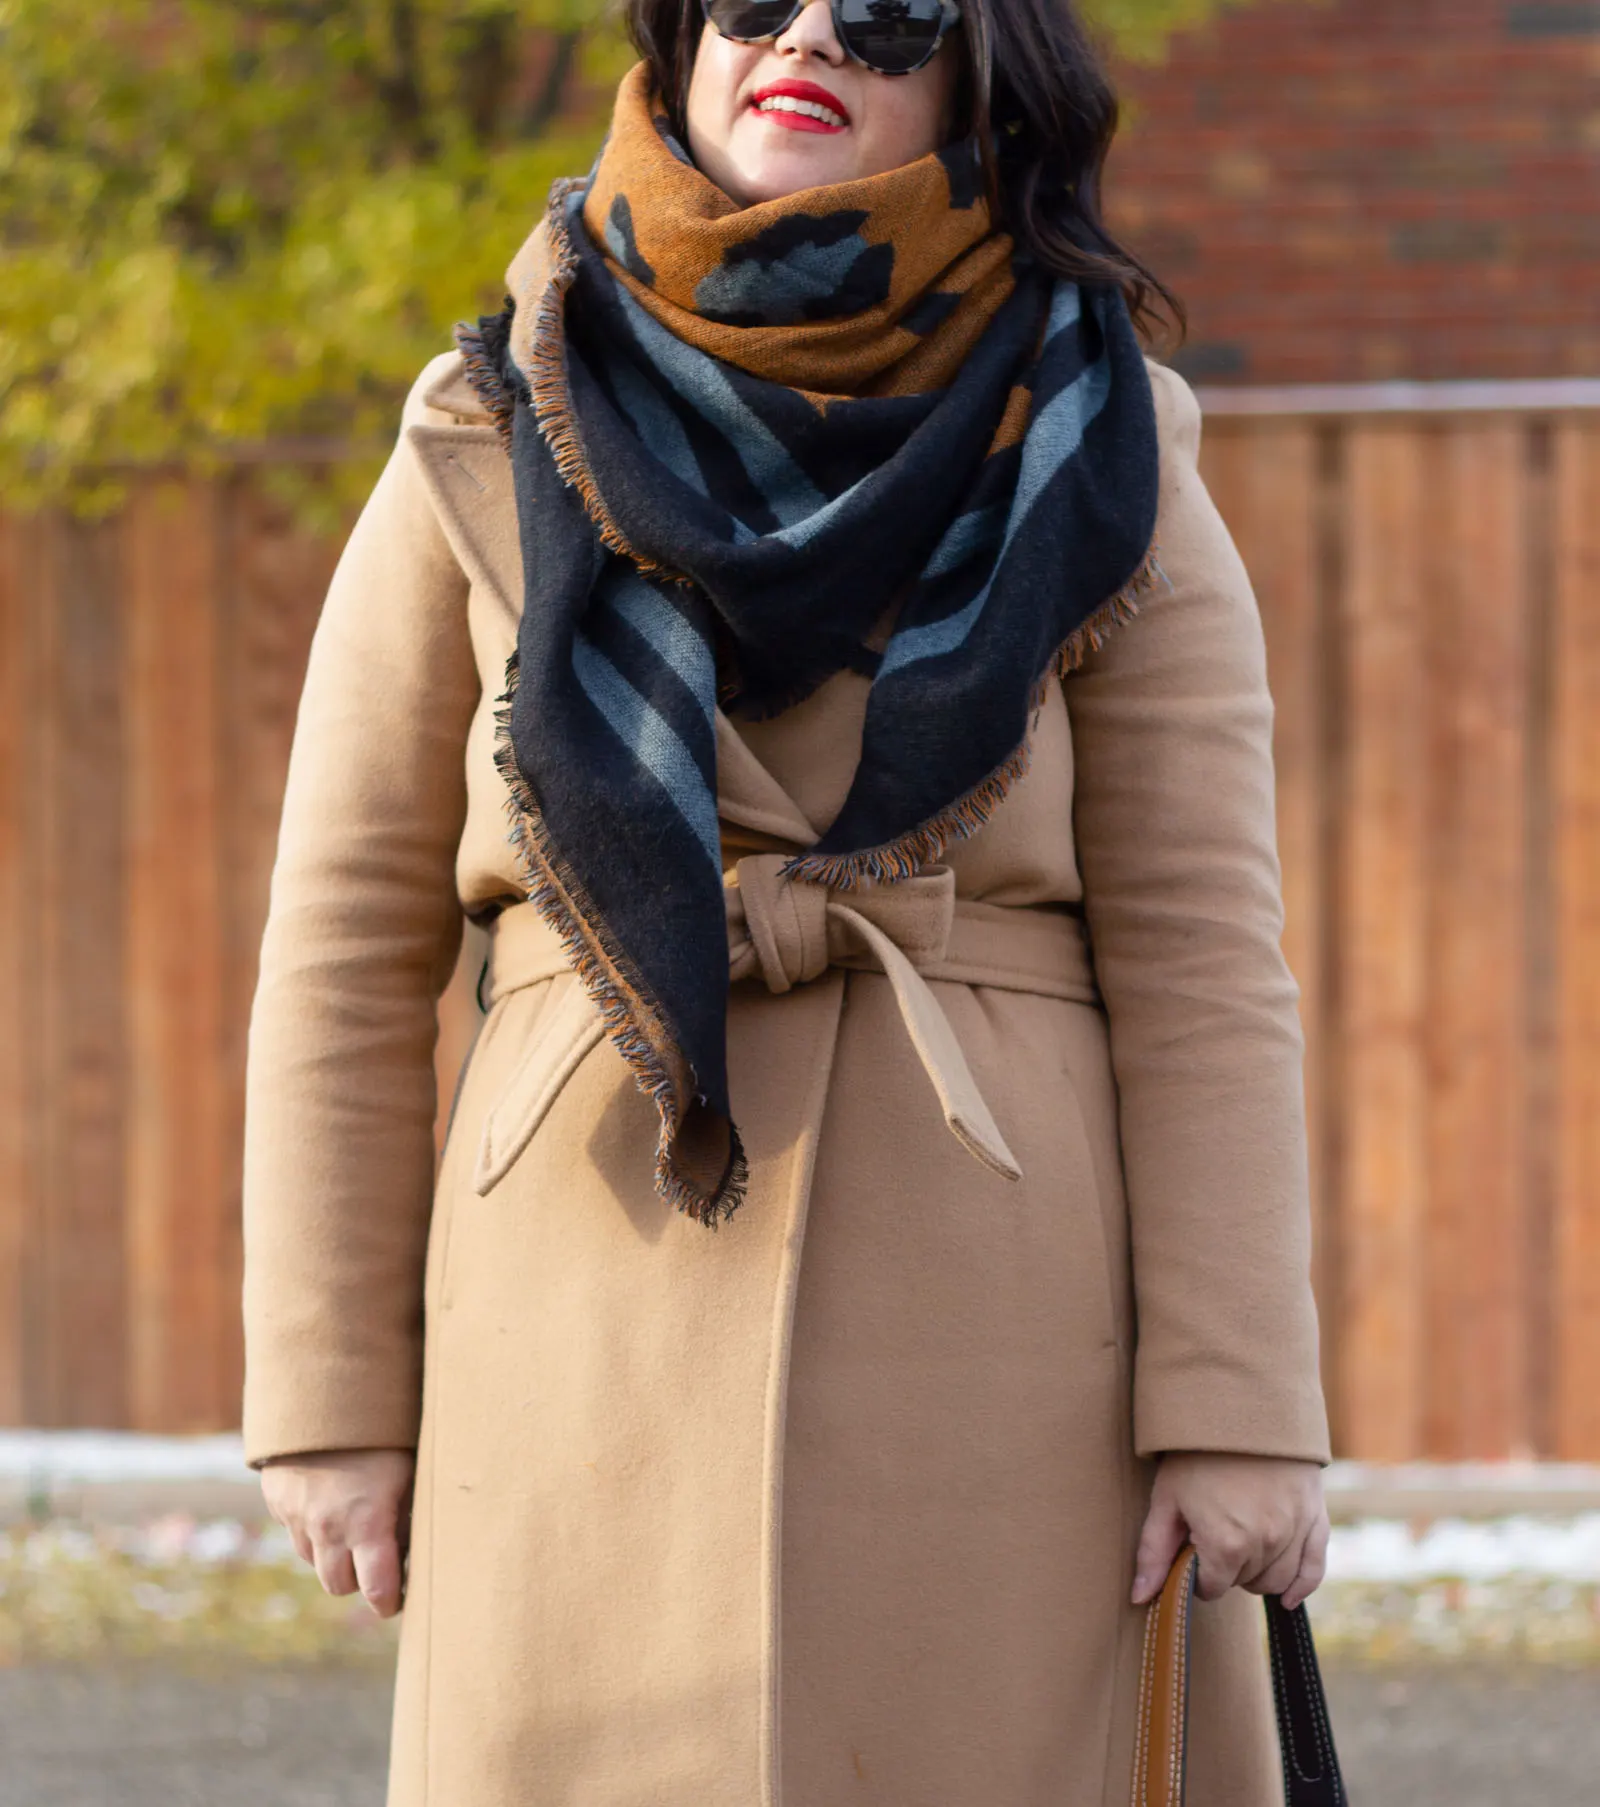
342 1405
1192 1405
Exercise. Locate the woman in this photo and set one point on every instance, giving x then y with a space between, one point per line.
873 1231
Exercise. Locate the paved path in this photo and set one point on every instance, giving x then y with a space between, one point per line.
172 1737
1469 1737
167 1737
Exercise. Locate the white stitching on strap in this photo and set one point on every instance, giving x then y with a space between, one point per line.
1179 1695
1329 1772
1280 1706
1141 1755
1319 1716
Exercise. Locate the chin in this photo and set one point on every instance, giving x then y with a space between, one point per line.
776 187
768 177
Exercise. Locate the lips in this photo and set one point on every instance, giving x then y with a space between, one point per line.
792 104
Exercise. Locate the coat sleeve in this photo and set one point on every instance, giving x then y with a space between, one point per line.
1174 818
362 932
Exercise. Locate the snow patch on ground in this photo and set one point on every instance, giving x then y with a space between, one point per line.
1375 1550
106 1458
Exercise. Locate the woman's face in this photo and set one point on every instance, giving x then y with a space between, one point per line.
755 152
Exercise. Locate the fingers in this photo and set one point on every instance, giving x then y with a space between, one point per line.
335 1569
371 1567
1225 1554
1255 1522
345 1512
1276 1569
1295 1571
359 1550
1313 1565
284 1492
1159 1543
377 1568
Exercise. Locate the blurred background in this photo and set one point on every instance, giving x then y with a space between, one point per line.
233 232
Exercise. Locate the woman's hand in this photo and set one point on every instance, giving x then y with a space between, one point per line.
1258 1522
348 1511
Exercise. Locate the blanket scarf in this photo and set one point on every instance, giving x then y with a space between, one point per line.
746 442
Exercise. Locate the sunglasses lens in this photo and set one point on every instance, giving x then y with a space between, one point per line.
890 36
750 19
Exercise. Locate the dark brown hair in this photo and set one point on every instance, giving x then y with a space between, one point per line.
1033 92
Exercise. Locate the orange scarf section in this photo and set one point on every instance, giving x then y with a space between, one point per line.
676 242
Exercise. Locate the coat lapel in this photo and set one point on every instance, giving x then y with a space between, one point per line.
469 477
750 797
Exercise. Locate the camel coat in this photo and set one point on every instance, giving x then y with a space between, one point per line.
837 1502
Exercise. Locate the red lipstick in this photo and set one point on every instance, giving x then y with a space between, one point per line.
795 119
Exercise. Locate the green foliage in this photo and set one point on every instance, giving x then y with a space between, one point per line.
243 222
235 221
1140 29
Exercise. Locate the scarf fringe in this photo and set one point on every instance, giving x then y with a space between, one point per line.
552 396
1116 611
481 367
550 886
959 821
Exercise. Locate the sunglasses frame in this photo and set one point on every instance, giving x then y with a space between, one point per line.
950 17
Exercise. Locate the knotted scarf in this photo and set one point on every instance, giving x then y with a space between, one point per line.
746 442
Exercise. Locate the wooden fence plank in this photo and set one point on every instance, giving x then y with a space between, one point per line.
1575 761
18 724
27 651
1475 1277
78 856
176 1188
277 576
1382 894
273 578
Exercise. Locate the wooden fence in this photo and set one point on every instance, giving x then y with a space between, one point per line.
1430 582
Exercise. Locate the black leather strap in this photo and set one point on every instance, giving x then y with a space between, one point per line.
1310 1763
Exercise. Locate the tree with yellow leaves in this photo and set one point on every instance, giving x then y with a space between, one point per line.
250 222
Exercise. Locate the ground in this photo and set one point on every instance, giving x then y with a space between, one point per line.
163 1733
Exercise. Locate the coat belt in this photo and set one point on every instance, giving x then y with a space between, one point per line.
915 932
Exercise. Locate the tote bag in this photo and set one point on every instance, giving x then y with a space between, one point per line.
1310 1764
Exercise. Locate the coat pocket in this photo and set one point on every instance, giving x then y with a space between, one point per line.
567 1028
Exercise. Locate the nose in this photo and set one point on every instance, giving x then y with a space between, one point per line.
810 33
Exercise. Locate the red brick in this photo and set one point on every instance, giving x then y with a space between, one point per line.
1354 188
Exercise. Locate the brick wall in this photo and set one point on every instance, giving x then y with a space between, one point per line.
1353 190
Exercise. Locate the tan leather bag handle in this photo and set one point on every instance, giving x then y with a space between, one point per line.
1160 1759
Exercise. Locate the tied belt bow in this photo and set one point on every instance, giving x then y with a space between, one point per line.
789 932
786 933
